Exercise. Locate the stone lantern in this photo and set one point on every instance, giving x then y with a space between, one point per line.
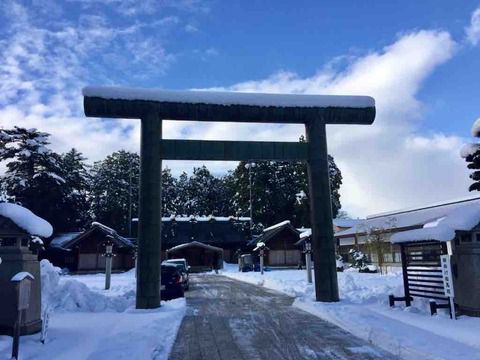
17 227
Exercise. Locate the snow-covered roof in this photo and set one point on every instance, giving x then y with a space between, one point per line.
230 98
342 223
280 224
346 223
306 233
434 222
200 218
25 219
66 240
195 244
21 276
60 240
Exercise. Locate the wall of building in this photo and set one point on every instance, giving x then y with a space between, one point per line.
282 251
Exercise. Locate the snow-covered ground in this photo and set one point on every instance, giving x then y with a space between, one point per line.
363 310
88 322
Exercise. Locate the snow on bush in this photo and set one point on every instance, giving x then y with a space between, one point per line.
476 128
469 150
73 295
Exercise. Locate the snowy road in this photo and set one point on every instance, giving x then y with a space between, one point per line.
229 319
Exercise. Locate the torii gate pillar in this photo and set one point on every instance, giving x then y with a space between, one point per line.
323 246
150 209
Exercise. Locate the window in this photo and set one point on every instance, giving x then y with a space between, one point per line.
8 241
466 238
477 237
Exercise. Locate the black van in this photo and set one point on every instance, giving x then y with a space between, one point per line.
172 285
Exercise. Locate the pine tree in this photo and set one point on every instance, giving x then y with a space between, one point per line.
183 204
33 177
279 191
169 193
76 189
205 193
115 187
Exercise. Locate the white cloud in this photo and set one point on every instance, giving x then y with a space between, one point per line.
190 28
44 65
473 30
390 164
385 166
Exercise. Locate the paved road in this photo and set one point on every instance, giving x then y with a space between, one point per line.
228 319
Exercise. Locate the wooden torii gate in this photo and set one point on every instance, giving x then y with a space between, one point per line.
151 106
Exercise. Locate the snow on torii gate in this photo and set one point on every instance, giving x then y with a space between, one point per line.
151 106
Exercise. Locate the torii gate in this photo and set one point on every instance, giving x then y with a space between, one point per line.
151 106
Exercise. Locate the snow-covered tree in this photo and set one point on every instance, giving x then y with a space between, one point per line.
377 240
183 205
279 191
359 259
76 188
114 190
169 193
206 193
471 154
34 175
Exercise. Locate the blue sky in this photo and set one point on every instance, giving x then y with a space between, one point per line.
419 59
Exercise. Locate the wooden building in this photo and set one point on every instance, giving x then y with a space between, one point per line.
382 227
280 240
227 233
83 251
200 256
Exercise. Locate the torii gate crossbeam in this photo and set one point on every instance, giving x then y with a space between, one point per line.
152 106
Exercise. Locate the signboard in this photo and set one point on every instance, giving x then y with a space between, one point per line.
24 294
447 275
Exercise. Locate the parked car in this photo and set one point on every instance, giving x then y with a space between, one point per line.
171 283
183 267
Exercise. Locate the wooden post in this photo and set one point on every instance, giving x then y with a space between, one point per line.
108 264
16 335
308 260
262 254
403 255
326 286
23 284
149 227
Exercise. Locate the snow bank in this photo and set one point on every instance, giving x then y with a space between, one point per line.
67 294
88 322
363 310
230 98
26 220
